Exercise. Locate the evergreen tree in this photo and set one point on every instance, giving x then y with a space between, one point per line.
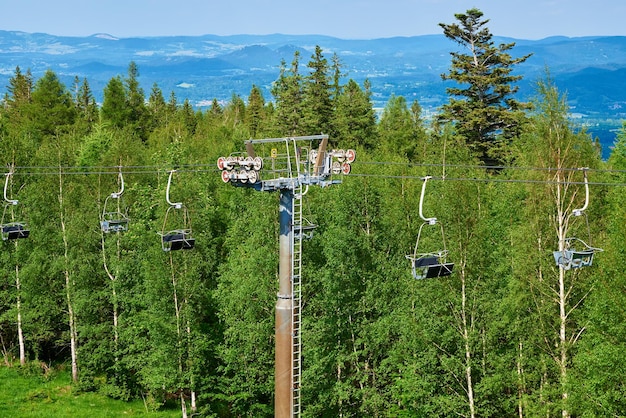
51 108
156 106
336 78
255 111
15 120
86 104
135 102
114 108
20 88
355 118
482 107
216 108
189 117
317 106
235 111
287 91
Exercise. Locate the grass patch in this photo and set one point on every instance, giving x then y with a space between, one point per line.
25 392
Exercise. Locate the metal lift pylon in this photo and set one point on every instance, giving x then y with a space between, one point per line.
290 173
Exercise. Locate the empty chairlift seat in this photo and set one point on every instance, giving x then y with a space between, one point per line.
433 264
177 240
114 222
576 254
429 266
14 230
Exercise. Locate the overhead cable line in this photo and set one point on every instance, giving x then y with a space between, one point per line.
484 180
210 168
489 167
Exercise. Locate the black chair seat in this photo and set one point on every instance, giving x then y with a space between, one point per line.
439 270
14 231
429 267
177 241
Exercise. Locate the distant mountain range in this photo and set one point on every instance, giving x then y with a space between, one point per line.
590 70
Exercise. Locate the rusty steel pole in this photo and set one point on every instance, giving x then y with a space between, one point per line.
284 310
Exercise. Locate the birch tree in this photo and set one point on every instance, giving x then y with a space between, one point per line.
552 145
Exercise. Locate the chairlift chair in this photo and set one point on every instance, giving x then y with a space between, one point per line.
178 238
114 220
431 264
304 231
577 253
14 229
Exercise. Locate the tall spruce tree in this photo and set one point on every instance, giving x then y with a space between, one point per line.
287 91
52 109
255 113
135 101
20 88
482 106
86 103
355 119
114 110
15 121
318 106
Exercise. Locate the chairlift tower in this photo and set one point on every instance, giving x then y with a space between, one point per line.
291 165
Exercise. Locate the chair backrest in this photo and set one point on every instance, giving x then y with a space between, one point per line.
177 241
426 261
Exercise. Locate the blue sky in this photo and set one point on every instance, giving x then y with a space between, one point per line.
351 19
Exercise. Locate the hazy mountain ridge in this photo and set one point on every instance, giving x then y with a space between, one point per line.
200 68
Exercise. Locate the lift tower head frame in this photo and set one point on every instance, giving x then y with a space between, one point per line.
290 166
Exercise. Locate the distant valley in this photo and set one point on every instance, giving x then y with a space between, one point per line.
590 70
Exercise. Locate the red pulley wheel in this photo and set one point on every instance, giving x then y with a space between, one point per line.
350 155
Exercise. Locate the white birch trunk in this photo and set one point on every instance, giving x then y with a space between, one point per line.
468 352
20 332
520 381
562 301
183 404
68 287
113 280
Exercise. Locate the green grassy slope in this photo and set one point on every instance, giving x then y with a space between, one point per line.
24 394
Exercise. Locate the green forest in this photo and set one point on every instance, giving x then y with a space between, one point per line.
511 332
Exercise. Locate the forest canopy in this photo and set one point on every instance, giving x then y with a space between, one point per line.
512 331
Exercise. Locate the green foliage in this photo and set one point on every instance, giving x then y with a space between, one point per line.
287 91
51 109
114 109
482 108
26 395
355 120
318 107
158 329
